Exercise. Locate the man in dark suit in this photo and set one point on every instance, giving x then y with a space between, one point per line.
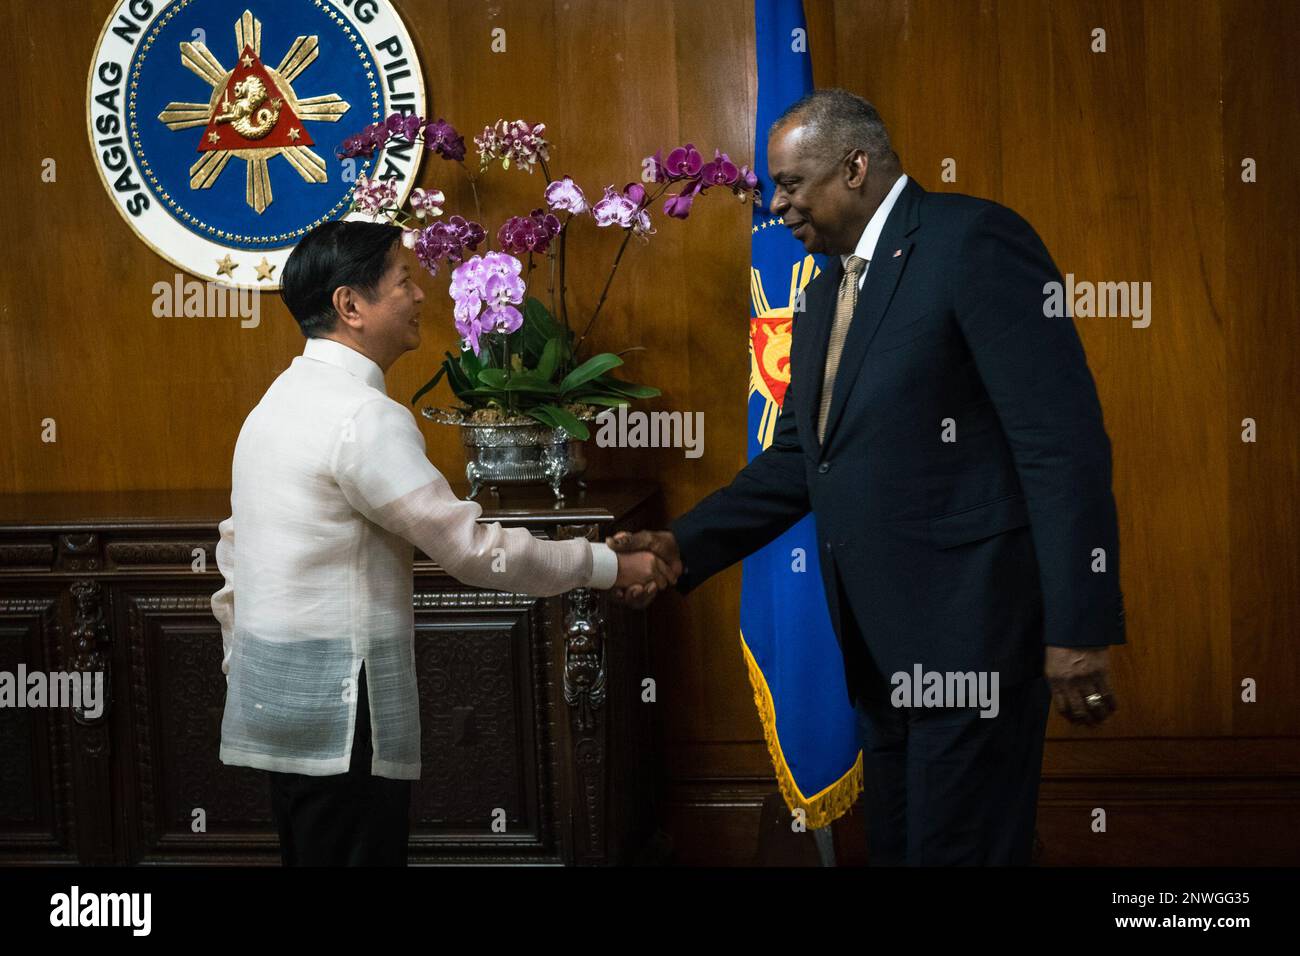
947 435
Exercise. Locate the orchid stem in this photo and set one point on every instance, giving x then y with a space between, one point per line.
552 254
564 303
473 188
604 292
613 269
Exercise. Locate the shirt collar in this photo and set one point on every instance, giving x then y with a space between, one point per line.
866 248
347 358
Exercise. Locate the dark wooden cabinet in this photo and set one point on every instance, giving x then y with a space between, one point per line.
537 744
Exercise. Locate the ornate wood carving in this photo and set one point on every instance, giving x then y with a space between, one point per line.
140 610
128 553
38 555
79 552
584 657
91 649
15 768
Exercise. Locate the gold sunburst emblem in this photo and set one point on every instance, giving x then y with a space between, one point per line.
253 113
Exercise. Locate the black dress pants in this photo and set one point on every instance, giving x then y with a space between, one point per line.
348 819
945 786
949 787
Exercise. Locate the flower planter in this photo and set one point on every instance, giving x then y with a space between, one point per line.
515 453
515 352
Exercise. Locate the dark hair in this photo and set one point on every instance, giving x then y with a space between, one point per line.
840 121
334 254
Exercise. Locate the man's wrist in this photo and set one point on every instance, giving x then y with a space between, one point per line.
604 566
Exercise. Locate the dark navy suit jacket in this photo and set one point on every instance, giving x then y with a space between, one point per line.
956 555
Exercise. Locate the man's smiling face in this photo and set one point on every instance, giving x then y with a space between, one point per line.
815 195
392 313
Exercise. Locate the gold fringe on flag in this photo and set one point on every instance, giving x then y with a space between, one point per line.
821 809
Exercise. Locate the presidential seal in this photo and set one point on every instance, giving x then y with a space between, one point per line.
215 123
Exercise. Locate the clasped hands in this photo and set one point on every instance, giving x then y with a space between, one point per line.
648 564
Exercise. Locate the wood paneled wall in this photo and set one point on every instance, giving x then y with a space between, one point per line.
1127 162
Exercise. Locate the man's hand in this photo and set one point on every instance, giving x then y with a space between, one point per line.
1077 674
663 546
644 572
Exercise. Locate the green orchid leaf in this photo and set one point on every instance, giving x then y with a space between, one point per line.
550 359
530 382
492 377
610 384
590 369
555 417
428 386
457 375
538 328
608 401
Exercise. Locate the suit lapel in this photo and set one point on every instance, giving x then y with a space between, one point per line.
873 301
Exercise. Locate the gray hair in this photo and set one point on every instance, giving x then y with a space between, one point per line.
840 121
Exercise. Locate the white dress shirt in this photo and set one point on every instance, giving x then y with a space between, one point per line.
866 247
330 489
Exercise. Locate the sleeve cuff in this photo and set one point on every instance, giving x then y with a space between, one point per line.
604 566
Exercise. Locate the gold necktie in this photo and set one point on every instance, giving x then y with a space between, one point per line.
844 305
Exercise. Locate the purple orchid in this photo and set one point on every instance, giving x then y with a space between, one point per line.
624 209
615 209
679 205
469 232
685 165
442 138
490 283
438 135
518 142
531 233
447 240
684 162
746 181
427 202
364 143
488 290
371 197
612 209
353 146
563 195
720 172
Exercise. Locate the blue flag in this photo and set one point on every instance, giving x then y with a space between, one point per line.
785 629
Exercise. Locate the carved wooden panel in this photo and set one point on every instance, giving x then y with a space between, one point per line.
483 731
35 773
177 696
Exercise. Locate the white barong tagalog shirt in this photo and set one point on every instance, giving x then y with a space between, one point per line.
330 490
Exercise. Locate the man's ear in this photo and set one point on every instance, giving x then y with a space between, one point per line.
859 165
345 304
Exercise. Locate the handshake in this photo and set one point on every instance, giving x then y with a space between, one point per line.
648 563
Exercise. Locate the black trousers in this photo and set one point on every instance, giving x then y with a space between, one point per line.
347 819
945 786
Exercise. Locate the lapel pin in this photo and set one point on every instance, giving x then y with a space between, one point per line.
897 253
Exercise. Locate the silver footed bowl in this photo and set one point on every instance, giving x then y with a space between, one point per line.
515 453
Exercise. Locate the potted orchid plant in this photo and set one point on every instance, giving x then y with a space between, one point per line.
526 386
